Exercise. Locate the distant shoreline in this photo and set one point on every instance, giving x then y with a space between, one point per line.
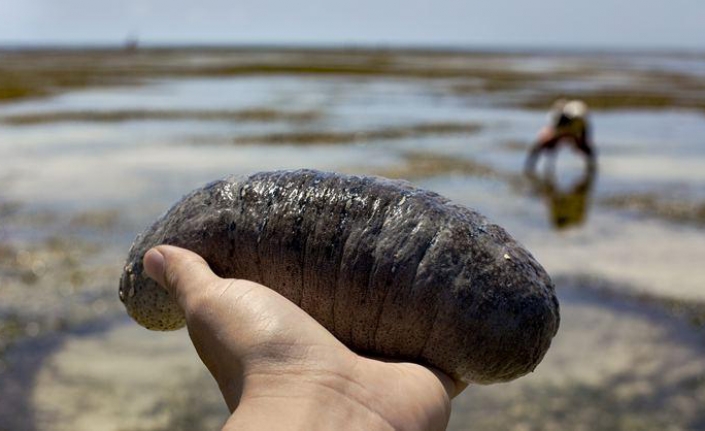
479 49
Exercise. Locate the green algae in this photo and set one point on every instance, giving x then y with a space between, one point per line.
621 99
116 116
358 136
419 165
654 205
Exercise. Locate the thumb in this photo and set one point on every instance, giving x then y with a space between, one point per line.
181 272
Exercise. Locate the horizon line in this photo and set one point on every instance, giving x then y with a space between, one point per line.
135 43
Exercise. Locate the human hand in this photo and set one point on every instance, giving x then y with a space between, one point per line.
279 369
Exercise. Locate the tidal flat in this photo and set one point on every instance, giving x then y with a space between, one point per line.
95 144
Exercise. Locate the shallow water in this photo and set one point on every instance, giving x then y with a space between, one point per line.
74 192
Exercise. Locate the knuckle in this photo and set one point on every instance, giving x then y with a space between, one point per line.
195 265
171 278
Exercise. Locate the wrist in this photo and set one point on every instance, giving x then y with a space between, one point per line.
327 403
367 395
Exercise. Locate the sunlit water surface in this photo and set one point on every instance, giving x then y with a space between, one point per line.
619 361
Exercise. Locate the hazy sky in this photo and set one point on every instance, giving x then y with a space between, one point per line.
523 23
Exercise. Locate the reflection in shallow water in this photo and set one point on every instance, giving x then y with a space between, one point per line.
568 205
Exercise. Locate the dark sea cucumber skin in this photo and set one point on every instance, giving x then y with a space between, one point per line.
391 270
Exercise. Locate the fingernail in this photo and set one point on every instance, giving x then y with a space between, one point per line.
154 265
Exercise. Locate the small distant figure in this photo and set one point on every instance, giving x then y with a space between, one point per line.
131 44
569 124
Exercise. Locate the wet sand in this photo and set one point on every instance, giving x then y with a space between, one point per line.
94 145
636 367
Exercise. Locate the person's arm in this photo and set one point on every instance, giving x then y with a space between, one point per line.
532 158
547 138
279 369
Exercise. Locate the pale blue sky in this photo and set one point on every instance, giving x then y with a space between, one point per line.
678 24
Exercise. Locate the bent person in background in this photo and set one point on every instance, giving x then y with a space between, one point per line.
569 124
